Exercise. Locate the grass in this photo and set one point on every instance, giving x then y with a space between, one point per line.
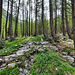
50 63
14 45
10 71
68 50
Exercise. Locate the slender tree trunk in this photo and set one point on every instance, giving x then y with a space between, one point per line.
31 20
55 16
73 12
66 18
43 17
1 2
23 19
72 2
16 30
10 22
36 19
51 18
6 21
29 17
63 27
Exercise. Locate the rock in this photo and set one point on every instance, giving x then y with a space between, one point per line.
69 43
41 39
6 59
71 60
40 49
19 53
72 53
21 69
11 65
0 60
44 43
65 53
65 57
21 73
73 64
25 71
32 61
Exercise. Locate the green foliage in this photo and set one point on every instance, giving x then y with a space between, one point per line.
22 58
23 64
68 50
45 63
12 46
10 71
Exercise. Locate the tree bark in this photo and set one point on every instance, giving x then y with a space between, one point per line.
36 19
43 17
73 12
16 30
55 16
6 21
66 18
29 17
51 18
1 2
63 27
10 22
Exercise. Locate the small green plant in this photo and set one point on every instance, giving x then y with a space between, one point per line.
23 64
22 58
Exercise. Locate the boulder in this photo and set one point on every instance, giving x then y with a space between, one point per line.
11 65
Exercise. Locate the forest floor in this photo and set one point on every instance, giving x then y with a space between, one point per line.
31 56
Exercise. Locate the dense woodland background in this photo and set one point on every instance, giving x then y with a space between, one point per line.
35 17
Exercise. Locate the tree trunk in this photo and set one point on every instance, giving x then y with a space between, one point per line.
31 20
10 22
6 21
1 2
73 12
43 17
29 17
55 16
63 27
23 19
66 18
36 19
51 18
16 30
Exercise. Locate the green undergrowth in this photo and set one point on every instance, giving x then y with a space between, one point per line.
50 63
12 46
10 71
68 50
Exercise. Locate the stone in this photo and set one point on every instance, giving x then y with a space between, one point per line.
72 53
41 39
19 53
0 60
21 69
71 60
44 43
40 49
20 73
25 71
11 65
65 53
65 57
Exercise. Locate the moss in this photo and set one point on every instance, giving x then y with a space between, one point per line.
10 71
45 63
22 58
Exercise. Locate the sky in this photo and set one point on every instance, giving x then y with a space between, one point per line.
46 4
